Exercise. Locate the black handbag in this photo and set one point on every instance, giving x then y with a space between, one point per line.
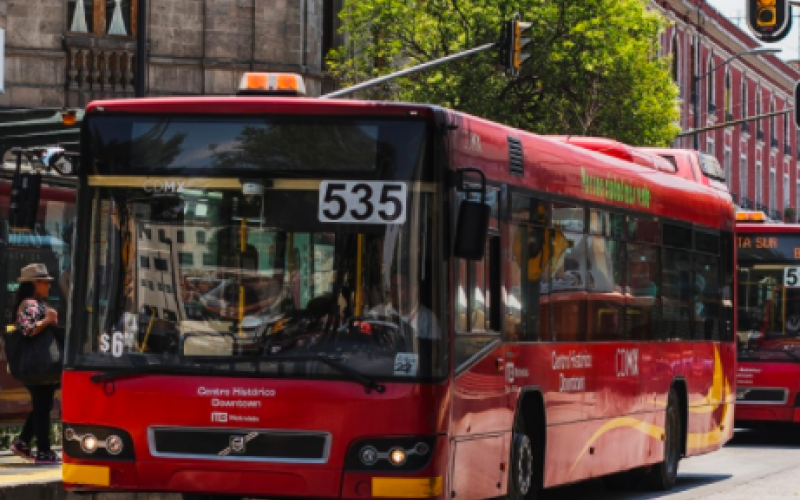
36 360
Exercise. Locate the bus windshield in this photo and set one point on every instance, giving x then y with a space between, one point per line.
257 276
768 292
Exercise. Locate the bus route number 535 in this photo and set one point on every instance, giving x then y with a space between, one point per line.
362 202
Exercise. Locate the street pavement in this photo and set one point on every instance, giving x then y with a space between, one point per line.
754 465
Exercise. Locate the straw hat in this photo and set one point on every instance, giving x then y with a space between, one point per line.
33 272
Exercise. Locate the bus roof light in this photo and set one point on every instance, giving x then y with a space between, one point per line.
271 84
750 217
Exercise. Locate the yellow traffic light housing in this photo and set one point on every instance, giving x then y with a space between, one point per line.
769 20
766 12
515 45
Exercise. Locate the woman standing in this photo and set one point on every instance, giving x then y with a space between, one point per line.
31 316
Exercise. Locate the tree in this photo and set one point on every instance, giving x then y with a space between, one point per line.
789 215
594 68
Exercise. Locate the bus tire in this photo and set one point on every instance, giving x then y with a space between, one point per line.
523 481
662 476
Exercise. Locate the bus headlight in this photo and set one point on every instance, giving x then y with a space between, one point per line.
410 453
89 443
397 456
114 444
369 455
97 442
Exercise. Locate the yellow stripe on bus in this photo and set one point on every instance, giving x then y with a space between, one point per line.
406 487
94 475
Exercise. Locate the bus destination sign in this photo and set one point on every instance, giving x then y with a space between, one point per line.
768 247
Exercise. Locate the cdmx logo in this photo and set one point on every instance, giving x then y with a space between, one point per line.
238 444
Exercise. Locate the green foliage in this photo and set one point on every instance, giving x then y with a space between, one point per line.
594 68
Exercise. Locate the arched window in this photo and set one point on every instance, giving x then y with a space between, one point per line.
773 133
728 96
760 127
710 90
676 73
743 105
786 127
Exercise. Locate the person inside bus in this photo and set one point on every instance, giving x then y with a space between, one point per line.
31 316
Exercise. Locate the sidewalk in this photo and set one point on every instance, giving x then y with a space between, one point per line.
20 480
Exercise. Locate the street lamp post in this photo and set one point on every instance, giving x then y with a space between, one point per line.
696 100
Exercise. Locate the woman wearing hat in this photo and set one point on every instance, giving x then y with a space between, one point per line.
31 316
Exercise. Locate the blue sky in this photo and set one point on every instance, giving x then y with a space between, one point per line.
735 10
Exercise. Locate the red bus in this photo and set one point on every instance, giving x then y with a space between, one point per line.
768 374
286 297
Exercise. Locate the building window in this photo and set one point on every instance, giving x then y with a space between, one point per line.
757 197
773 132
786 141
676 73
759 128
728 96
773 197
727 166
101 17
710 91
743 179
785 192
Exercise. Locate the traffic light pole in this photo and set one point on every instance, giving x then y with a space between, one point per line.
408 71
734 122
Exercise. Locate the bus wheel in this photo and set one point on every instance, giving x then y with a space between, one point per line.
662 476
521 470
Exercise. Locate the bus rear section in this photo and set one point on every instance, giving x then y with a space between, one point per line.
768 373
258 312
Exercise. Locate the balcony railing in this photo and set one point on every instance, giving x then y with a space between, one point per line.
100 67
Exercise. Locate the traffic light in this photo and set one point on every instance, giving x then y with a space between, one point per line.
769 20
515 44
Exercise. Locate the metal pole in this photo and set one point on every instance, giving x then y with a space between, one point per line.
695 132
408 71
696 105
141 48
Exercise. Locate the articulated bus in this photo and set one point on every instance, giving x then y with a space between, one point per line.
293 297
768 283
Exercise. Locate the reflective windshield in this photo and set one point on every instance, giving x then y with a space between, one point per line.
254 276
768 291
769 311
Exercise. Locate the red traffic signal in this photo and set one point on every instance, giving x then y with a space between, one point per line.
769 20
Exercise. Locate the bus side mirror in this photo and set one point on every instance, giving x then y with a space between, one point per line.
24 209
472 225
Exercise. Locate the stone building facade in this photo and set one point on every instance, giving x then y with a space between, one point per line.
66 53
760 157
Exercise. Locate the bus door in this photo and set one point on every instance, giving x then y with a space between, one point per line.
481 418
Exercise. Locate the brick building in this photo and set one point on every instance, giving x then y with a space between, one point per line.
759 156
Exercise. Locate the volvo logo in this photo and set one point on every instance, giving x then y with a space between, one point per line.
238 444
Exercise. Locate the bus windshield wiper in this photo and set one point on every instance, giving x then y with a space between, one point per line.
336 363
152 369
